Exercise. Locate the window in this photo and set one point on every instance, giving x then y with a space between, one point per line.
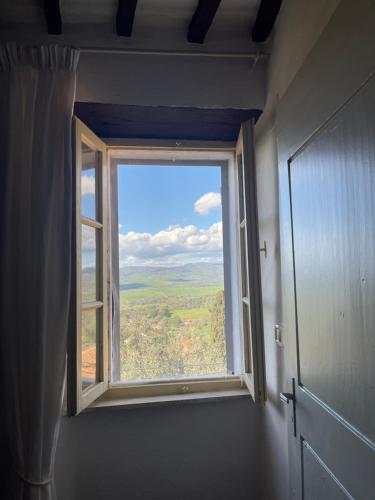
168 283
253 371
88 353
170 272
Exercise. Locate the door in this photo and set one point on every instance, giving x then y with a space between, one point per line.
331 398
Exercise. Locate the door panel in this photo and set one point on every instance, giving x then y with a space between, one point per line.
332 197
317 476
333 203
346 453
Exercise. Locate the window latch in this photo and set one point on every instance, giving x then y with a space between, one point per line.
264 249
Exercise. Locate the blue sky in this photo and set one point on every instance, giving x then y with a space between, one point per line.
168 215
152 198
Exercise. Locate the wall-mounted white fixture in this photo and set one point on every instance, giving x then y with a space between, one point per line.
278 335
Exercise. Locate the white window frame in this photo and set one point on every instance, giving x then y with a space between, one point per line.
78 398
250 284
230 250
248 350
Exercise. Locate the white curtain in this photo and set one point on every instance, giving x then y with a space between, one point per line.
37 86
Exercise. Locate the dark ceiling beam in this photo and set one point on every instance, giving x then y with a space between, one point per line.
265 20
52 13
125 17
202 20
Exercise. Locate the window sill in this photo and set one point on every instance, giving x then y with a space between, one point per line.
171 393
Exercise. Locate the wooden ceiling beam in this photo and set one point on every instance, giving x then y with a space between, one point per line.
265 20
52 14
125 17
202 20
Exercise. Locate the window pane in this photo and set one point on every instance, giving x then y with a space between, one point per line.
89 348
171 272
244 271
246 336
88 182
240 187
89 263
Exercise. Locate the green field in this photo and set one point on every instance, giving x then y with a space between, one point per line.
154 291
192 314
171 322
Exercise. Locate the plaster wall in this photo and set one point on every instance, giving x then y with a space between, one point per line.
299 25
111 76
198 82
190 451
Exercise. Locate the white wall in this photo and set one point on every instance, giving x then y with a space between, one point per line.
144 80
274 417
299 26
150 80
202 451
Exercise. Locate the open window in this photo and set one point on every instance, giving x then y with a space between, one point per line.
88 345
168 282
251 311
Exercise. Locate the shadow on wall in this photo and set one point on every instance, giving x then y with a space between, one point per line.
274 414
201 451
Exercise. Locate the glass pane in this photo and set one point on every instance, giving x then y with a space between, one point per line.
89 348
89 264
171 272
240 188
246 336
244 271
88 182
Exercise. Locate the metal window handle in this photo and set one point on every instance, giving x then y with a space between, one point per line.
264 249
285 397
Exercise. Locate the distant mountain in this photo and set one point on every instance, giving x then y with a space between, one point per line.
194 274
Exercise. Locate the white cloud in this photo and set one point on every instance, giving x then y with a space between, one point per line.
88 247
207 203
87 185
172 246
88 243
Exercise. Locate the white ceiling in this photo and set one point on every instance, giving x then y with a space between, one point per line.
158 25
233 15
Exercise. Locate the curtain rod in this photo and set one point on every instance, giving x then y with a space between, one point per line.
179 53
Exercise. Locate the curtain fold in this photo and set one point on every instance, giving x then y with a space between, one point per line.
36 105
